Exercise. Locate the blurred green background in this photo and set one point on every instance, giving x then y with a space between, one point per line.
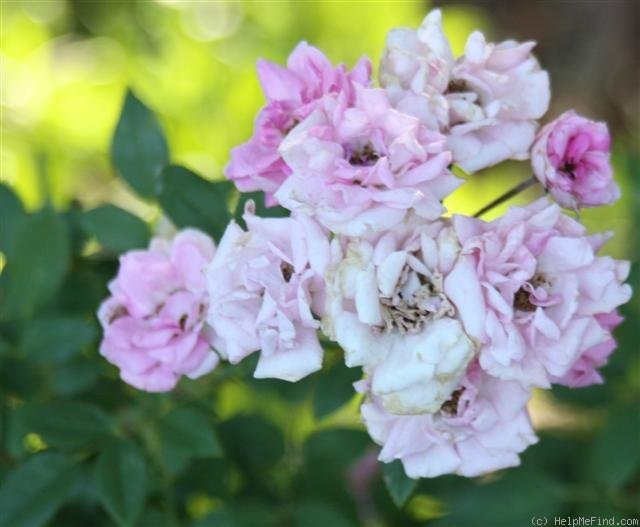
80 448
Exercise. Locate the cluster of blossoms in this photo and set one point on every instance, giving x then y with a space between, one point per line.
453 320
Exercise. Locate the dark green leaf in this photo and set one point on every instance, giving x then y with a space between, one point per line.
191 201
115 228
12 215
154 518
20 377
330 455
318 514
121 482
614 456
186 433
252 441
56 339
66 425
334 388
400 485
76 376
36 263
222 517
261 209
32 492
139 150
512 500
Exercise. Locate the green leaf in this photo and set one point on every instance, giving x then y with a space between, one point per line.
154 518
139 150
334 389
186 433
329 455
66 425
32 493
36 263
318 514
12 215
512 500
191 201
121 482
261 209
76 376
115 228
252 441
56 339
399 485
614 456
221 517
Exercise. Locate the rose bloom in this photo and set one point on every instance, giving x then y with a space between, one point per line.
363 167
531 289
493 94
266 289
570 157
387 310
482 427
292 93
154 328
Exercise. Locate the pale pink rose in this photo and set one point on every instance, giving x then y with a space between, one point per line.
584 371
387 310
493 93
496 93
482 427
417 59
363 167
153 322
531 289
266 289
292 94
570 157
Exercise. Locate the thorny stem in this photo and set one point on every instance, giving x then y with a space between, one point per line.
507 195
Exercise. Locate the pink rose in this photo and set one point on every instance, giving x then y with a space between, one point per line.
363 167
482 427
387 309
570 157
292 93
266 289
531 289
153 323
493 93
417 59
584 371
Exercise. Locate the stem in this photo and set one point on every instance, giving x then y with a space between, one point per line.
507 195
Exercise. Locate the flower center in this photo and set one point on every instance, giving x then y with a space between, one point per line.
451 406
365 156
415 300
522 298
569 169
287 270
457 86
522 301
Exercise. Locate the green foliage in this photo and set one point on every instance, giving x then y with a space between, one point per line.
121 482
115 229
191 201
139 149
399 484
37 260
65 425
56 338
186 433
32 492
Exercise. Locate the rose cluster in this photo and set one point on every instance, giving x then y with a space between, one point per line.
452 319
